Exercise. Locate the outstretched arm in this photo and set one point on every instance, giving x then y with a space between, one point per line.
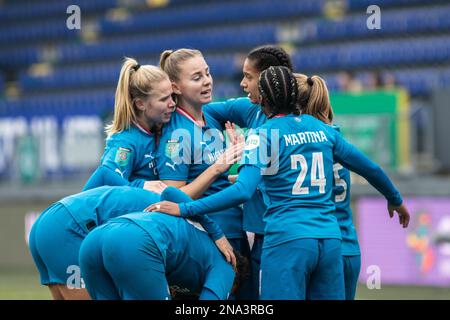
105 176
240 192
240 111
356 161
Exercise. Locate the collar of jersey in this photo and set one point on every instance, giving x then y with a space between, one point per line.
279 115
186 114
142 129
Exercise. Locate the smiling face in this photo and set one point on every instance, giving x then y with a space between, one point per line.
250 81
194 83
157 107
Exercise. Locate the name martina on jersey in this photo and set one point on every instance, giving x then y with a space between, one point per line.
304 137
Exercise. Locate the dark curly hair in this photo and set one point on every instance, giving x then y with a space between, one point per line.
243 270
269 55
279 91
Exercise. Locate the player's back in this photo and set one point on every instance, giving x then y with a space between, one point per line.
298 179
189 253
95 206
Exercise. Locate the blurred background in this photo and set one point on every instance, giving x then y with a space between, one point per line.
389 87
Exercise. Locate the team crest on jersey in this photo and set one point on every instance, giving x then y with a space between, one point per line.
252 142
172 148
122 156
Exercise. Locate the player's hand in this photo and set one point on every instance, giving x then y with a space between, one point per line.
231 155
234 136
230 129
403 214
232 178
167 207
155 186
227 250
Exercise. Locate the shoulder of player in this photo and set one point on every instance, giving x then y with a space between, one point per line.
177 121
124 139
316 123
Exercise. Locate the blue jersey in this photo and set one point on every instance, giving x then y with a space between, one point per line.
294 156
187 149
128 159
246 115
94 207
341 197
240 111
192 261
298 176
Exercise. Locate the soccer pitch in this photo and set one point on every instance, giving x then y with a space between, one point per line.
24 285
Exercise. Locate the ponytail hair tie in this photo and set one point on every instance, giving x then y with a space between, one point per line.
310 81
136 67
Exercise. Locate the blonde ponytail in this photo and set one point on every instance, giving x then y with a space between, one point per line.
135 81
163 58
314 98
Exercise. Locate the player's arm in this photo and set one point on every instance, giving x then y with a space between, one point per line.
173 174
239 111
219 282
250 175
116 167
356 161
104 176
199 185
240 192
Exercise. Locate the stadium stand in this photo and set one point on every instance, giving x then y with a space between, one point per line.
55 70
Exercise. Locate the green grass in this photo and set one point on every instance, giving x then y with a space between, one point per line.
22 285
402 293
25 285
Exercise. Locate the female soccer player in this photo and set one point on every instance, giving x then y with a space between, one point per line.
246 113
314 88
301 256
56 236
139 256
193 140
143 103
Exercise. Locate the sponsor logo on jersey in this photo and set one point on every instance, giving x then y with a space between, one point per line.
252 142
